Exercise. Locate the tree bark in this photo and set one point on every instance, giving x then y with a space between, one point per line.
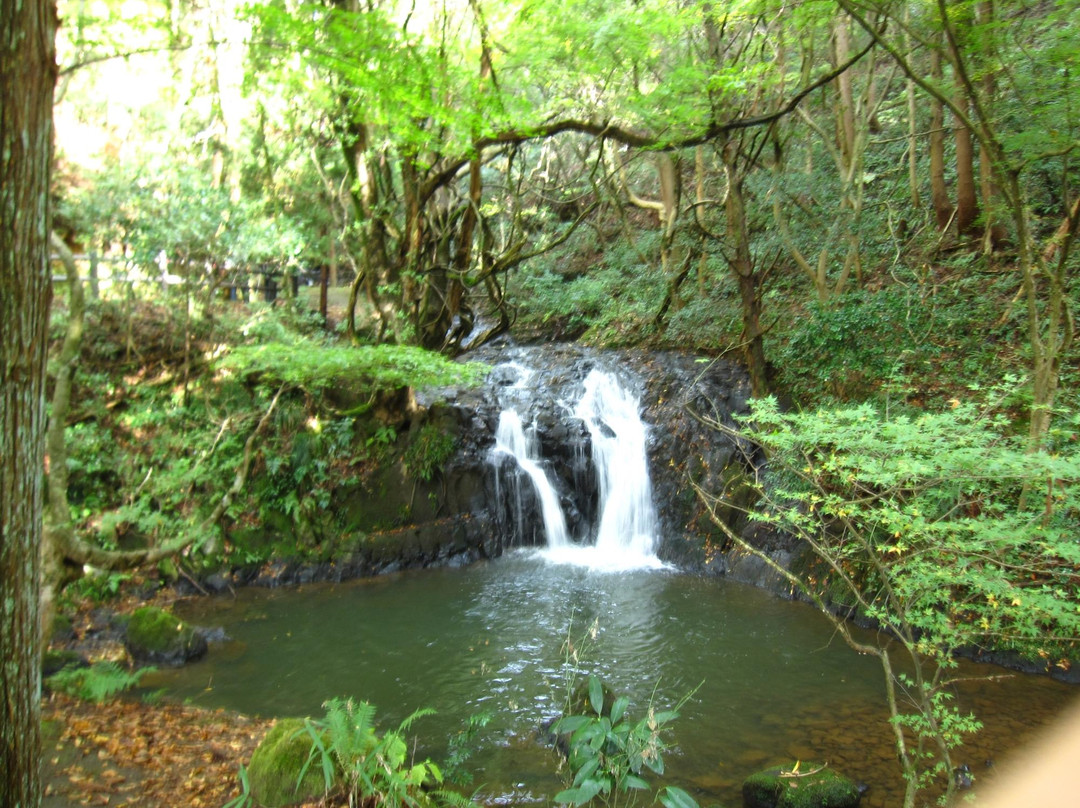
939 191
993 230
967 194
58 527
741 262
27 81
671 257
845 118
913 118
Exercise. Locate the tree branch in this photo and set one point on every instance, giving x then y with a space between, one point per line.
106 57
629 137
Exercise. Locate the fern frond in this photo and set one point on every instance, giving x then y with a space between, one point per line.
423 712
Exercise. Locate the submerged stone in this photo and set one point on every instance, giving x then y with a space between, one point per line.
801 785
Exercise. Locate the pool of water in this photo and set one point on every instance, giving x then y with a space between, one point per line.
770 679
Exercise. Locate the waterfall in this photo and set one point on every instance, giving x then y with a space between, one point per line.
510 438
627 519
625 533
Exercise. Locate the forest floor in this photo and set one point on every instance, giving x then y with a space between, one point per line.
126 752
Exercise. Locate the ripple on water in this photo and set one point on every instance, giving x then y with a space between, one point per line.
772 679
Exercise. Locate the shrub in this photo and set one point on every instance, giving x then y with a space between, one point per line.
848 348
97 682
370 767
610 753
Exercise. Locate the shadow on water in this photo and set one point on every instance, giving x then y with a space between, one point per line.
774 680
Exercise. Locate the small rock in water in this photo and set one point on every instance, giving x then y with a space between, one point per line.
801 784
963 776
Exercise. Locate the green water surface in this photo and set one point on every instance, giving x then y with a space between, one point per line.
772 679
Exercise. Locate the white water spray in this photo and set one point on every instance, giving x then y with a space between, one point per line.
626 532
511 439
627 519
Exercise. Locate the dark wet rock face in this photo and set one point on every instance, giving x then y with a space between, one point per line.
679 396
479 503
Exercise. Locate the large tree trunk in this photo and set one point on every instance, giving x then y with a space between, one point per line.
993 231
27 79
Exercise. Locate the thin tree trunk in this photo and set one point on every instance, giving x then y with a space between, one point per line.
671 258
742 265
59 530
993 231
845 97
333 261
913 123
94 288
939 192
967 194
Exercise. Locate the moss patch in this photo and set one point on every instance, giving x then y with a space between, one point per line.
154 635
276 764
813 786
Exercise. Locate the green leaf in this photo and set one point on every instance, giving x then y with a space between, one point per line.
618 709
580 795
675 797
596 695
588 768
572 723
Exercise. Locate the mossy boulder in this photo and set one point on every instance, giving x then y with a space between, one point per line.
54 661
154 636
810 785
276 764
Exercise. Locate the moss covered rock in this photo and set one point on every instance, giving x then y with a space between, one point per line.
157 637
276 764
54 661
810 785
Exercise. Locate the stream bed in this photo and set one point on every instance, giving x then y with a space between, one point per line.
770 679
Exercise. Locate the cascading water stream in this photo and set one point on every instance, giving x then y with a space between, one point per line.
627 518
510 438
625 533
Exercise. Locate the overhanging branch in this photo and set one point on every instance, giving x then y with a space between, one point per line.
632 138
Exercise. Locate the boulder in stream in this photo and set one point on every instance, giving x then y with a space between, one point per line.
156 637
800 785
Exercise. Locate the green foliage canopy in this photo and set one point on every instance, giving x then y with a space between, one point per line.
945 527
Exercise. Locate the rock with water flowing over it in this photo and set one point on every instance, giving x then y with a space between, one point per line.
554 391
800 784
658 413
